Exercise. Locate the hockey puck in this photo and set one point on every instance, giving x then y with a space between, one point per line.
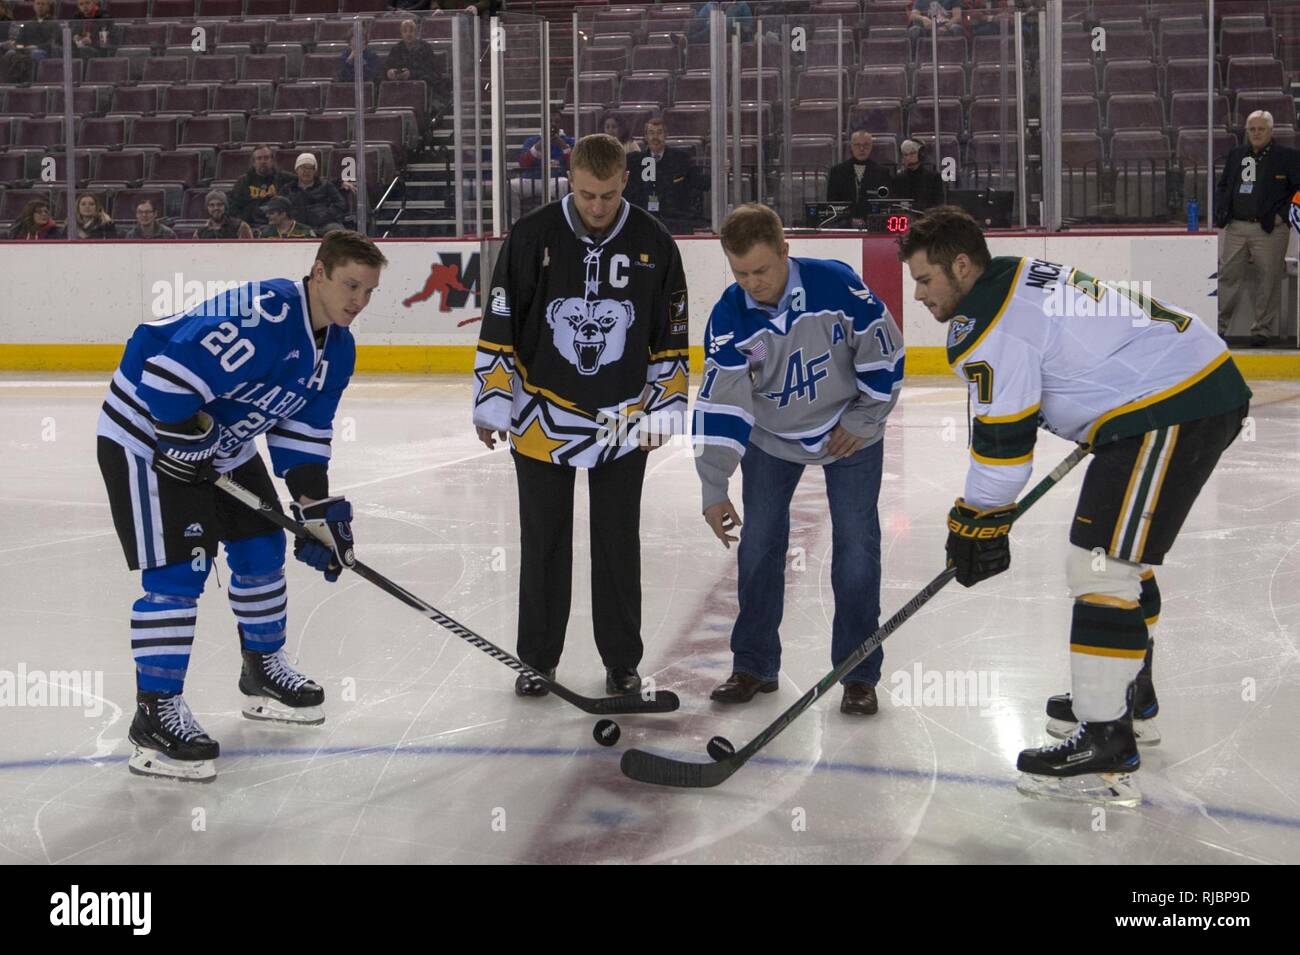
720 748
606 732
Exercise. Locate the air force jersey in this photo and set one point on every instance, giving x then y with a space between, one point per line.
248 358
1046 345
785 377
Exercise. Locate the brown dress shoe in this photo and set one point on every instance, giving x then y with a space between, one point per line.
740 688
859 700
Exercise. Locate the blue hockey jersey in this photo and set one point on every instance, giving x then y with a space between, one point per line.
248 358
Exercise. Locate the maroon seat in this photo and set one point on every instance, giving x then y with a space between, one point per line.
332 128
185 99
215 68
232 163
952 82
293 31
592 88
1281 105
921 118
1130 46
156 131
271 67
12 201
304 97
1080 114
51 71
1189 76
952 51
107 132
144 34
166 69
173 9
1190 147
1130 76
242 33
887 51
86 100
656 58
304 7
335 31
61 168
1139 146
13 169
388 128
213 131
691 121
1255 73
320 66
182 34
987 115
274 128
693 88
1184 45
223 8
363 6
344 95
1080 149
949 147
268 8
877 115
184 168
986 79
1077 48
881 82
28 131
988 50
1251 41
236 98
1187 111
386 28
108 70
697 57
602 59
134 99
812 121
125 167
33 101
1135 111
129 9
647 88
822 53
412 95
825 85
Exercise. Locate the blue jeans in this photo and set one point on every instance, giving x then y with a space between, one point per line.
853 487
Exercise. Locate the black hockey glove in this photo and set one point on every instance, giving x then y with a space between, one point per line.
979 542
184 450
330 522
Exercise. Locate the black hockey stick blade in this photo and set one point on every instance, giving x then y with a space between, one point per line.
666 771
660 701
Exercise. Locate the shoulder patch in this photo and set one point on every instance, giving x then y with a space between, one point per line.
959 330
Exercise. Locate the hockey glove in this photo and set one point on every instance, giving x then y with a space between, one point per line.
330 522
184 450
979 542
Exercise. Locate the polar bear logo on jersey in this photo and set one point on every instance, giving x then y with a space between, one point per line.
590 334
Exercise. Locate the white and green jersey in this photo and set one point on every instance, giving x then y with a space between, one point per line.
1046 345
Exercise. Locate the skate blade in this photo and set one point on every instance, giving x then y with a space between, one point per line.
146 762
1144 731
1111 789
267 710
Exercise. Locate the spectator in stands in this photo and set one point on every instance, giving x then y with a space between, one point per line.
616 127
279 213
1251 205
253 188
220 225
663 181
147 225
916 181
531 162
314 201
93 33
35 222
858 178
737 13
92 222
34 41
415 59
371 67
946 14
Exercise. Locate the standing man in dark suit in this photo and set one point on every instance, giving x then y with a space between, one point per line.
857 178
662 180
1251 203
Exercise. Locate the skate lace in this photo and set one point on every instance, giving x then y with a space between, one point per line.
278 669
1069 741
178 719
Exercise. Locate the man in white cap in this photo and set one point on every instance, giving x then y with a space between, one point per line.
316 202
914 181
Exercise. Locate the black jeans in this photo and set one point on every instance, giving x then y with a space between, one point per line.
546 558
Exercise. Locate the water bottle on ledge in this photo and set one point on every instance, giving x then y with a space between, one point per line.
1193 216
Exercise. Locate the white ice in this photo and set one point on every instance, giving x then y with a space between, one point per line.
427 756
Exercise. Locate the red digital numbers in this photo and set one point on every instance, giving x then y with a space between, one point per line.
897 224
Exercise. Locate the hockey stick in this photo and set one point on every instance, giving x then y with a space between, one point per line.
665 771
660 701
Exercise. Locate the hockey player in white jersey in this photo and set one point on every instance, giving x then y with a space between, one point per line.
802 365
1156 395
187 401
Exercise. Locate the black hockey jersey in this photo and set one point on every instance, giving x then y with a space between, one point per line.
583 338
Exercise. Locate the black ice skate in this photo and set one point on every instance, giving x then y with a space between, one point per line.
169 742
1095 764
277 692
1144 707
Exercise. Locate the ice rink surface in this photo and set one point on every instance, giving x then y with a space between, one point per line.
427 755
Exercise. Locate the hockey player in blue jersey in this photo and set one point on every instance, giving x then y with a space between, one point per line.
802 365
191 394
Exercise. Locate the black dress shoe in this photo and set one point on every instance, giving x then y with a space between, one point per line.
1259 341
859 700
740 688
529 685
622 680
